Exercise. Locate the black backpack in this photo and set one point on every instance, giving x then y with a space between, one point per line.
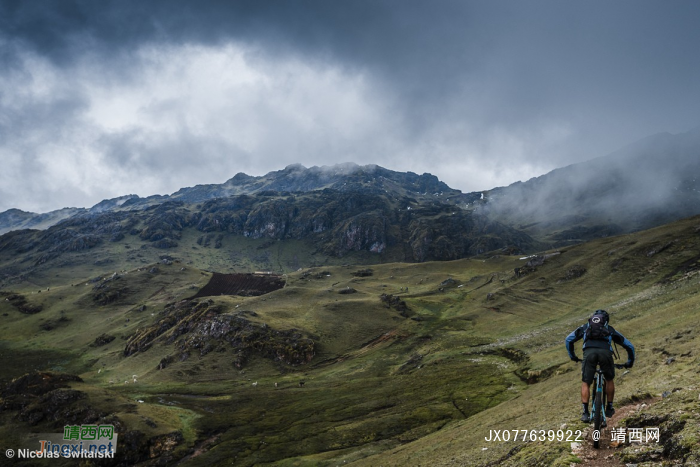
598 327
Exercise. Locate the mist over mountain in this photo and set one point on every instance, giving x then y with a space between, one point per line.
15 219
648 183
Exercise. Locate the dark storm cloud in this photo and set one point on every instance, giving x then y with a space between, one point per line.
535 53
477 92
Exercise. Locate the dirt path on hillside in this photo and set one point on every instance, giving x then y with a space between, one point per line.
605 455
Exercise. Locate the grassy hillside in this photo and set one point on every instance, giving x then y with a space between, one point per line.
413 363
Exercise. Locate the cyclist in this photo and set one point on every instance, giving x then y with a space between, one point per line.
598 337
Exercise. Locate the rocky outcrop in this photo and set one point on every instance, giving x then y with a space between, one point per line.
225 214
363 272
574 272
166 221
459 234
245 338
44 399
175 320
20 302
272 219
367 231
109 289
396 303
36 384
102 339
198 328
43 396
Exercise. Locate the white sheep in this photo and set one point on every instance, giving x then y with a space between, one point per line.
255 384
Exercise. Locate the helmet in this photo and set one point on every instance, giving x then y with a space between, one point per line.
605 314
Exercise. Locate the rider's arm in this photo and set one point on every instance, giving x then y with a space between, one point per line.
570 339
626 344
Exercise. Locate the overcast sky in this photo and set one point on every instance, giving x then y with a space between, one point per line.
105 98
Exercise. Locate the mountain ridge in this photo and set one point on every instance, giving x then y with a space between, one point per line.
293 178
407 216
250 232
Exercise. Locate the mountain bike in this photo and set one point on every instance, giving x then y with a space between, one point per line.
599 402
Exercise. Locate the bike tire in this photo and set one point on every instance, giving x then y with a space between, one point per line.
597 416
604 404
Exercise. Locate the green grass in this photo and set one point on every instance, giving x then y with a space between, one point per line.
382 389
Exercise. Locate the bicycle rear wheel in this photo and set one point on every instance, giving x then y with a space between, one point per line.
604 404
597 415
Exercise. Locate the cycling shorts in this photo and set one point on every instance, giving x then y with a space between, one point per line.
597 356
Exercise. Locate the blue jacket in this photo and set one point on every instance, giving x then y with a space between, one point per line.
580 333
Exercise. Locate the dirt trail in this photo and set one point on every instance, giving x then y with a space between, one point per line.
605 455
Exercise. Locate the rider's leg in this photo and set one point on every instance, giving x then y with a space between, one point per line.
585 392
610 390
586 380
610 393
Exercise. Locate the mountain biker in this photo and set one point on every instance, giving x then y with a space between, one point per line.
598 337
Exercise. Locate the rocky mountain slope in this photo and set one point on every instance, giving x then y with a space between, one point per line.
365 215
649 183
294 178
